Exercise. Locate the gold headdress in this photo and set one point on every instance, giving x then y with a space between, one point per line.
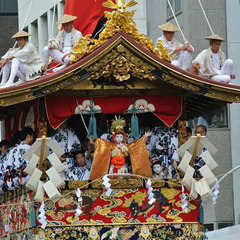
118 124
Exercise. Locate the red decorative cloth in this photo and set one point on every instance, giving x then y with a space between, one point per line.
166 108
27 116
89 12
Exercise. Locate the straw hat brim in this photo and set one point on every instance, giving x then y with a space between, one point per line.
168 27
21 34
215 37
66 18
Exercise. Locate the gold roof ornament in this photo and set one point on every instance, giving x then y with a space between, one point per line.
119 5
66 18
120 20
21 34
215 37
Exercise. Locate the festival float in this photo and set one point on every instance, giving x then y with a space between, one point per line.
121 73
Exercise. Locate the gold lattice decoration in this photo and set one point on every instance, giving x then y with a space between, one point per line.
118 20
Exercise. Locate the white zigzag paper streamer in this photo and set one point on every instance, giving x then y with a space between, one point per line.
42 217
78 210
216 192
150 192
107 185
184 201
78 193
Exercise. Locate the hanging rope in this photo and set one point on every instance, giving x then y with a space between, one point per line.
53 18
185 40
205 17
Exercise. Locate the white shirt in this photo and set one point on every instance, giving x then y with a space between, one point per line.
67 43
216 63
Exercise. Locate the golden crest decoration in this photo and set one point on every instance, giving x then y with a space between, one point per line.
118 20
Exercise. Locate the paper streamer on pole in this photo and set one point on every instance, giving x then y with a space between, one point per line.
78 210
42 217
107 185
184 201
150 192
215 192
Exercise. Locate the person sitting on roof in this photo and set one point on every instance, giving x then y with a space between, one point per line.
60 47
23 61
182 52
212 62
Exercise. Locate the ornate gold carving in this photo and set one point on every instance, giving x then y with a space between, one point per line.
156 183
237 99
121 67
61 85
179 83
119 183
182 137
2 102
78 184
120 48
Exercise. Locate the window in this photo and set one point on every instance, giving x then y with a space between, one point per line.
176 5
8 7
209 227
224 224
215 119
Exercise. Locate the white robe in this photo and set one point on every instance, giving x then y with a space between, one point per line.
27 55
58 42
205 60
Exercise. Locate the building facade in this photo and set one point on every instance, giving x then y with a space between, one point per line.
149 14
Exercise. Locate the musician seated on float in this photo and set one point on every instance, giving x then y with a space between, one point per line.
60 47
23 62
16 163
79 170
182 52
163 146
4 151
212 63
66 139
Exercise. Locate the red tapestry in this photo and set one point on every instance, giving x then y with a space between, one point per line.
27 116
17 214
166 108
122 206
88 12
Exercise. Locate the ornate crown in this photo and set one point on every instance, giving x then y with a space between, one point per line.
118 124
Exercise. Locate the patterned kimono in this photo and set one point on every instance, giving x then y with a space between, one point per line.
16 164
3 165
69 142
77 173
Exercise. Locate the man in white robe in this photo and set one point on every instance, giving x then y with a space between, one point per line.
23 61
212 62
182 52
60 47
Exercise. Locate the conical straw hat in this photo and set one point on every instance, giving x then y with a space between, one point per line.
66 18
168 27
21 34
215 37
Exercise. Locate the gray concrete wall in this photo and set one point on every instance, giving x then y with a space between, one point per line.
223 210
233 36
